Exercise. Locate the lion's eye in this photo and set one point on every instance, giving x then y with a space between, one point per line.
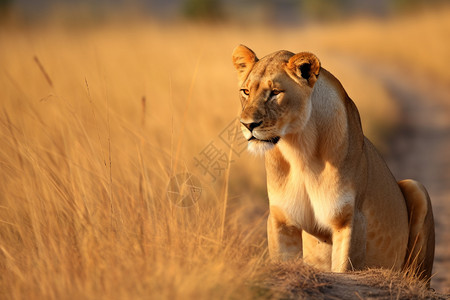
245 92
275 92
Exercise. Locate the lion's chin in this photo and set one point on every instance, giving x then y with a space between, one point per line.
259 147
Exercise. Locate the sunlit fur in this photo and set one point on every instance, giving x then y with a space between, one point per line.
333 201
259 147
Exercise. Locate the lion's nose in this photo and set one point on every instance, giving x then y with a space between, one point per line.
252 125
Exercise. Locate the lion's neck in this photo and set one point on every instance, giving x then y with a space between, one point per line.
325 137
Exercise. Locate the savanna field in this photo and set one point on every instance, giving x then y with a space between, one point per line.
121 173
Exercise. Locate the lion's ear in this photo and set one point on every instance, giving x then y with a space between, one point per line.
243 60
305 65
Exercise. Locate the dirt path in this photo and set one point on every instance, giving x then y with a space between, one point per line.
298 281
420 149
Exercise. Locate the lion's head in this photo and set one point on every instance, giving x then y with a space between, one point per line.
275 94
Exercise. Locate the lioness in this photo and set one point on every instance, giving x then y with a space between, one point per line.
333 200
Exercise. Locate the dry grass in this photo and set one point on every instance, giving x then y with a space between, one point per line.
93 124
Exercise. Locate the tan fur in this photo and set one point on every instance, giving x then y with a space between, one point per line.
333 200
421 227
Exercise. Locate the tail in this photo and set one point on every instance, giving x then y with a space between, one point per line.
420 253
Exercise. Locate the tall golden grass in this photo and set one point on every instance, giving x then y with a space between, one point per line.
93 126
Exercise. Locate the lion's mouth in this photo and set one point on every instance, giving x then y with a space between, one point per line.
273 140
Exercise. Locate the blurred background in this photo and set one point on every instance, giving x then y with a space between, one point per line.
118 134
287 12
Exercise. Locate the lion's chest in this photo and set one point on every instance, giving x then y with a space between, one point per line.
311 201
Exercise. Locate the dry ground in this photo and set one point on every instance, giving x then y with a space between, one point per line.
94 124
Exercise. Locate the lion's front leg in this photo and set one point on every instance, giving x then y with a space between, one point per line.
285 242
349 244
